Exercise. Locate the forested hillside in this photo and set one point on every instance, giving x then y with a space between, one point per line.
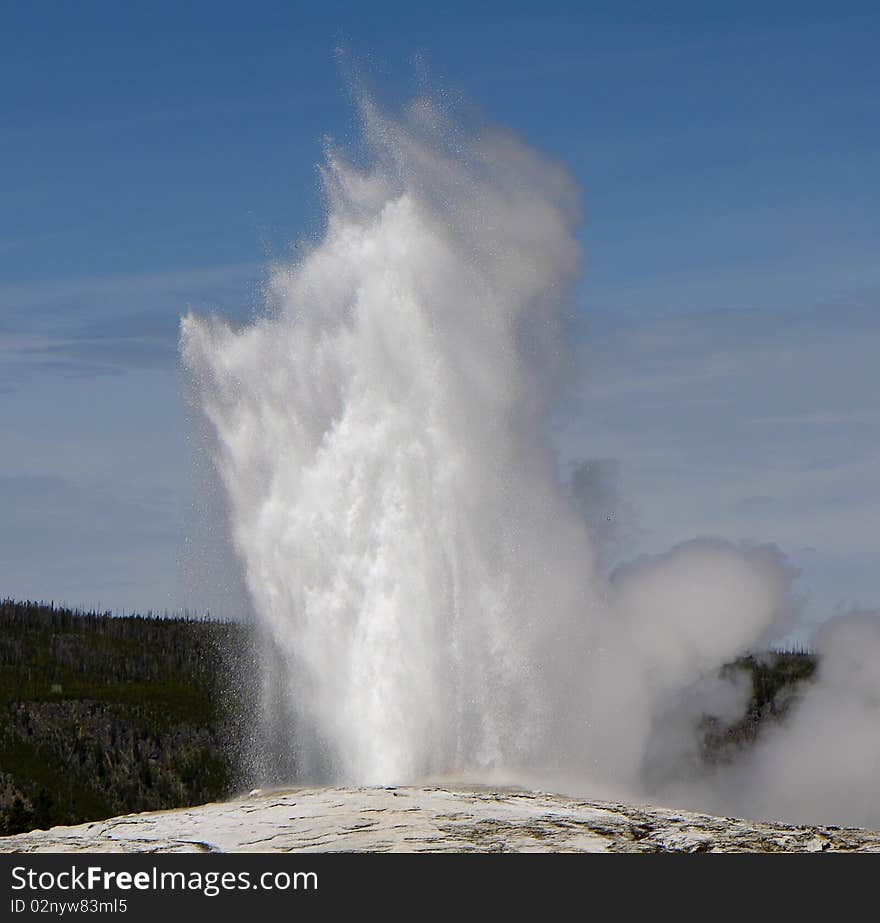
103 715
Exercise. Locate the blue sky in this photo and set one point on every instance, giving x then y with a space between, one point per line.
155 156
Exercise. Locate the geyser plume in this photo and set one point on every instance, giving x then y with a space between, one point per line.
429 587
381 435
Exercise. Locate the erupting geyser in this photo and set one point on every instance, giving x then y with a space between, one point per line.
382 434
382 438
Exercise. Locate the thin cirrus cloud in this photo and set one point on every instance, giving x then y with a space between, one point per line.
99 327
94 482
754 425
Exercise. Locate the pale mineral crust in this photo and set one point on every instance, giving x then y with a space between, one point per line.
433 820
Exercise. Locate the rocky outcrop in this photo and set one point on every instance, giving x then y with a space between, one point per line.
433 820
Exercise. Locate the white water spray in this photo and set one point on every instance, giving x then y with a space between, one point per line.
382 440
382 435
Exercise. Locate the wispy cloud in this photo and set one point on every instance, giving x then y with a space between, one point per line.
105 326
19 297
757 425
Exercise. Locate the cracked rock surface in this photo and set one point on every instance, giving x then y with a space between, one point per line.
432 820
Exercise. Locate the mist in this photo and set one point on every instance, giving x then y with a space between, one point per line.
437 599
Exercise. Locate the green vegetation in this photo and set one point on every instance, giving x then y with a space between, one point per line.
775 679
102 716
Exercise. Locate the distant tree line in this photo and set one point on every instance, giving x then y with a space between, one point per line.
103 715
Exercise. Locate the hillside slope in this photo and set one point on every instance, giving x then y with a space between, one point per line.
101 715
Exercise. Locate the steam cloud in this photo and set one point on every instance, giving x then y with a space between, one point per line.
437 601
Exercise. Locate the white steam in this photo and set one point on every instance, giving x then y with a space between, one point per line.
823 765
436 599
